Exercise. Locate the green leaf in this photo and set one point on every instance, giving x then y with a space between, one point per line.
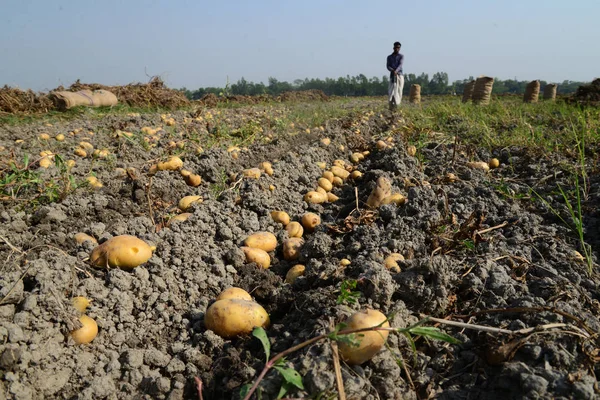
261 335
244 390
290 375
285 387
433 333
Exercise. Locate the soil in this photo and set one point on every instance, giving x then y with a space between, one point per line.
152 342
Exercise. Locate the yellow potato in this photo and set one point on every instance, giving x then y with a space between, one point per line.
315 197
43 136
356 175
178 218
326 184
344 262
310 221
173 164
84 237
339 163
86 146
337 181
187 201
494 163
328 175
87 332
262 240
381 191
321 165
326 141
280 216
70 163
294 229
94 182
370 341
234 293
253 173
234 317
395 198
294 272
411 150
321 190
80 152
45 162
257 256
291 248
332 197
381 144
479 165
340 172
123 251
192 179
267 167
391 262
80 303
60 137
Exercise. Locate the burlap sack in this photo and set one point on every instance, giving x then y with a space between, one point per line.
468 91
97 98
415 94
550 91
482 92
532 92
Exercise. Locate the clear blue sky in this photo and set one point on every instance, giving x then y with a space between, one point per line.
45 43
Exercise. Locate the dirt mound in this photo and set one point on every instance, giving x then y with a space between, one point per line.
14 100
151 94
304 95
587 94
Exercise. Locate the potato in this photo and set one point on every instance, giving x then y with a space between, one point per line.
332 197
45 162
494 163
310 221
187 201
80 152
294 229
381 145
328 175
321 190
87 146
257 256
395 198
339 163
234 317
178 218
321 165
326 184
253 173
70 163
356 157
340 172
344 262
291 248
87 332
234 293
391 262
370 341
326 141
94 182
60 137
366 153
80 303
337 181
315 197
190 179
123 251
450 178
81 237
411 150
261 240
381 191
173 164
43 136
267 167
294 272
356 175
479 165
281 217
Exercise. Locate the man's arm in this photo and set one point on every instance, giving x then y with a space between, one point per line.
399 69
389 64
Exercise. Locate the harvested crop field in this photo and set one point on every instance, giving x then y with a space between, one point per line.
501 260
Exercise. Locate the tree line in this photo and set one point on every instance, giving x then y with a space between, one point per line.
360 85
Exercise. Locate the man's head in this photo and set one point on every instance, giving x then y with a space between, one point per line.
397 46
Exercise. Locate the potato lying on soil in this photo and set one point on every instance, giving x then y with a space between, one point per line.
396 198
81 237
291 248
340 172
310 221
191 179
87 332
381 191
257 256
411 150
332 197
281 217
187 201
253 173
391 262
173 164
262 240
123 251
294 272
494 163
234 293
80 303
294 229
370 341
326 184
233 317
315 197
178 218
479 165
381 145
328 175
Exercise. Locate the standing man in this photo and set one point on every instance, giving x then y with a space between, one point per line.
394 65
